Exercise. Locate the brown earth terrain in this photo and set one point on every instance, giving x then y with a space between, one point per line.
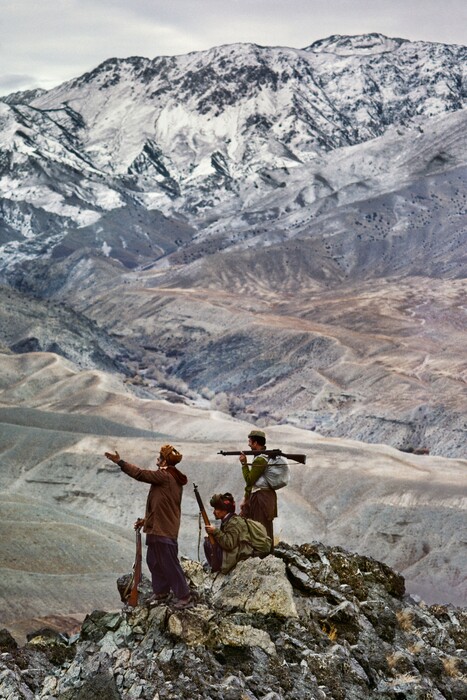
379 361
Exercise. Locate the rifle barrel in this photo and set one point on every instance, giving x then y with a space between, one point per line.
301 458
202 510
133 596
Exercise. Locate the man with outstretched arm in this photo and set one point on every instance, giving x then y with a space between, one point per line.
161 523
260 500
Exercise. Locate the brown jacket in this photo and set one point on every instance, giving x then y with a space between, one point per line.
163 510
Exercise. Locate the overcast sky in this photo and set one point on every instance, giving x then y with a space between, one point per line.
45 42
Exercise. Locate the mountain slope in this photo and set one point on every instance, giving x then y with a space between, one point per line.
56 422
285 228
205 135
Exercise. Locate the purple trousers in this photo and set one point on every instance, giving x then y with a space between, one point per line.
166 572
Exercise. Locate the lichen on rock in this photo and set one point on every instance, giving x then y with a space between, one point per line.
311 622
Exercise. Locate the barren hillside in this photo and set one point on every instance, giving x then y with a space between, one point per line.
57 421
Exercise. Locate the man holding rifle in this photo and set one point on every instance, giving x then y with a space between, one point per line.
231 539
161 523
260 500
236 539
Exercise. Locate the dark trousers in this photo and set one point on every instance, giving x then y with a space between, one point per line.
213 554
166 572
262 507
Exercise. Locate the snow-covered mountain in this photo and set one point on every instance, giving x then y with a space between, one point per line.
285 229
138 155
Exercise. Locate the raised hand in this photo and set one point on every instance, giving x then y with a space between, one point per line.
113 458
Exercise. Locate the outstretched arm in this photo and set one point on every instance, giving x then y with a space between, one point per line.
149 476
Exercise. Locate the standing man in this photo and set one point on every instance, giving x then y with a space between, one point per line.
260 500
161 523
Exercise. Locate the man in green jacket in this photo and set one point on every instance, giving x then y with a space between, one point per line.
232 538
260 500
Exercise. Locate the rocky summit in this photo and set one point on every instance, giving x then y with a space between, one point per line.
309 622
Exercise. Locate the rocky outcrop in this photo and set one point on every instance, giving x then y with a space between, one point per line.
318 623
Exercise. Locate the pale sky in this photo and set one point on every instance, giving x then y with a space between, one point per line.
45 42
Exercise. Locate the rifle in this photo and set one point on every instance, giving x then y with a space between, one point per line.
136 577
272 453
202 510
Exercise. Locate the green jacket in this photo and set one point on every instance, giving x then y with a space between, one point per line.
254 476
233 539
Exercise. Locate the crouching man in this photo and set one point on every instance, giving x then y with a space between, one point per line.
233 541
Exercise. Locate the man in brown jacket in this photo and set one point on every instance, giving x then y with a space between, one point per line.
161 523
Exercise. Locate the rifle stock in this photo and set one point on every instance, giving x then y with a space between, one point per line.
137 569
273 453
202 510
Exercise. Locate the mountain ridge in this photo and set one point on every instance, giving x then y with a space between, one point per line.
139 178
222 130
